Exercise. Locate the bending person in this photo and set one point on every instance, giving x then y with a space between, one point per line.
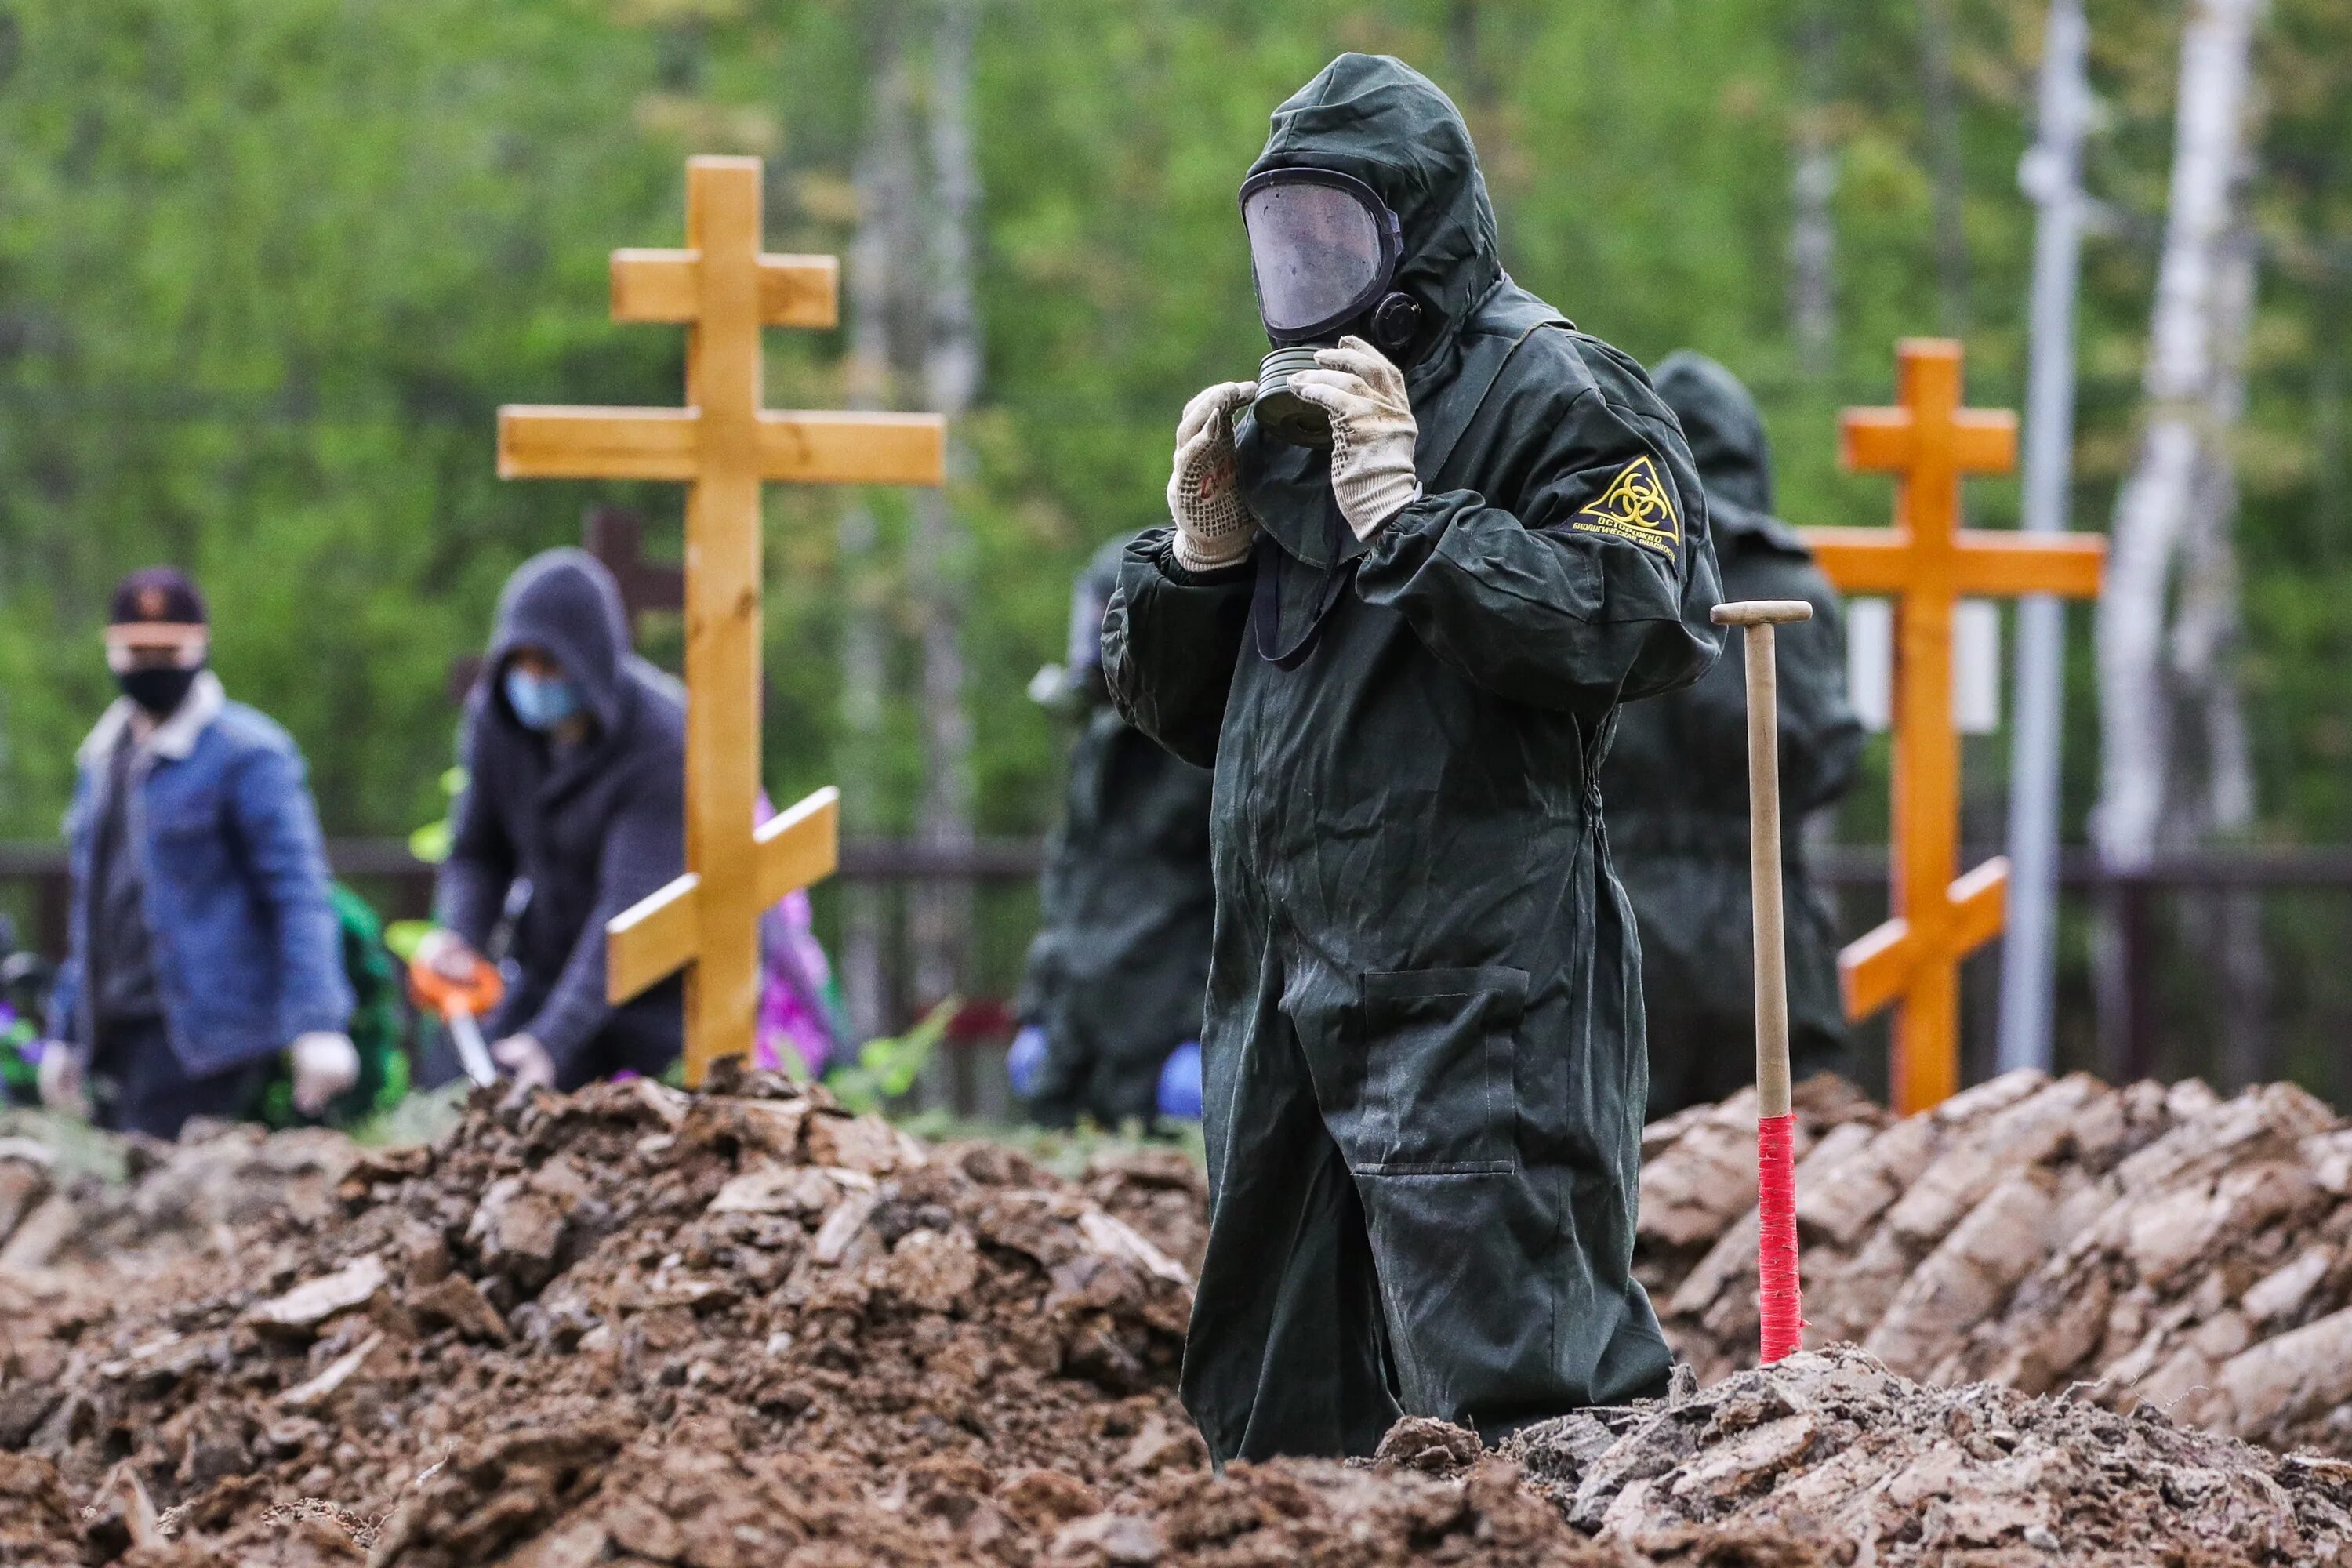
575 756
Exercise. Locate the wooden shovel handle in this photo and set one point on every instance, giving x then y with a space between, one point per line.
1761 612
1759 616
1780 1297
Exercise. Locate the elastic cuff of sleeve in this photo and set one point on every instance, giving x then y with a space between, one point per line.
1373 534
1194 568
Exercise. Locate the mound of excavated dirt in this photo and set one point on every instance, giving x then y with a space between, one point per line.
637 1327
1833 1450
494 1327
2164 1247
172 1199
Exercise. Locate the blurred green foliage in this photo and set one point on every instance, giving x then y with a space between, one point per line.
885 1070
267 268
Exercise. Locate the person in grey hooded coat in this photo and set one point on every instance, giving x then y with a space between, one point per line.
575 753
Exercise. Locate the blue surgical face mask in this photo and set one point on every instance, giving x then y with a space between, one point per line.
541 701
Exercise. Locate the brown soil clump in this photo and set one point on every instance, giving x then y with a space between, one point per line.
174 1199
507 1337
637 1327
633 1326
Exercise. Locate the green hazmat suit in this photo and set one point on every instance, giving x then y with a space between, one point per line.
1423 1053
1120 962
1676 784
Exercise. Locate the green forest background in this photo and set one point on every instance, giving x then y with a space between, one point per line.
269 266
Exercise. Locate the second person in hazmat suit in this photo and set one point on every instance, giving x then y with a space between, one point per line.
1120 962
1676 784
1403 654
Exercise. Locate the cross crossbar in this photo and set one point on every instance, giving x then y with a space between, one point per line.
659 934
664 285
825 447
1982 565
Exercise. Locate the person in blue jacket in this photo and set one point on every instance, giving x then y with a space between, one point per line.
204 941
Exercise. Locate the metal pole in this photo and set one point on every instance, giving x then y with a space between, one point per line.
2052 175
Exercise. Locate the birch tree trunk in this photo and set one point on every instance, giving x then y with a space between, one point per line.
884 181
1812 225
940 558
2219 799
2052 175
2141 745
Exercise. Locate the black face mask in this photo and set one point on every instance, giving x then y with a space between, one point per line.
159 690
1324 249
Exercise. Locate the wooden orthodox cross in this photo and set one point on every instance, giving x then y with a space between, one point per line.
1928 562
723 445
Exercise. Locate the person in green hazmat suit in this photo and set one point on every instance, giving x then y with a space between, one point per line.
1402 654
1676 784
1120 961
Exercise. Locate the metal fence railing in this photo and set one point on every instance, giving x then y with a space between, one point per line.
2175 1003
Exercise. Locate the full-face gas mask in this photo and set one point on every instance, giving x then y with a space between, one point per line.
1324 250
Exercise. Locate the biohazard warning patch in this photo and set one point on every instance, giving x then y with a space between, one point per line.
1635 506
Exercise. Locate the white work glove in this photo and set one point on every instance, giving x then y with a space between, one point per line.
446 954
325 1065
61 1082
526 1061
1372 432
1213 525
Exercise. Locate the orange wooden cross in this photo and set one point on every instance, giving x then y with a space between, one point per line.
1928 562
723 446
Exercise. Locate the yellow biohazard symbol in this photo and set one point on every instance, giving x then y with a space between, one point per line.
1635 506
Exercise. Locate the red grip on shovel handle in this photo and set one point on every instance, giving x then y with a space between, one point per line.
1779 1299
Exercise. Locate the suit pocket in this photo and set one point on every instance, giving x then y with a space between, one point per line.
1439 1047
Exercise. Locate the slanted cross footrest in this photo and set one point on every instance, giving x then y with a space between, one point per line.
659 934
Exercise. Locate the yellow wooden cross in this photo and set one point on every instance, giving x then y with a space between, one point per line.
1929 563
723 445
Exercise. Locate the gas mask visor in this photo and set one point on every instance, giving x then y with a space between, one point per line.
1323 247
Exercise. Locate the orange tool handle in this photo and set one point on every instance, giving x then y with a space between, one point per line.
446 996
